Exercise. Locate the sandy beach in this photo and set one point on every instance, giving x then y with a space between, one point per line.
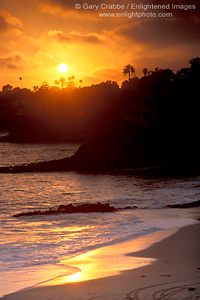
170 270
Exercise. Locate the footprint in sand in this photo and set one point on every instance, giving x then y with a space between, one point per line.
167 291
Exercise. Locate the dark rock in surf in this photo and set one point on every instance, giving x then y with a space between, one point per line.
127 207
71 209
185 205
192 289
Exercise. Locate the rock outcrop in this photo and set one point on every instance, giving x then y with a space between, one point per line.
185 205
72 209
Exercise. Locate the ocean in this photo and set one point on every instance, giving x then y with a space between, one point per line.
31 248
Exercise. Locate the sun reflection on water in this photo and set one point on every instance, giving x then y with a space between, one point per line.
104 262
74 277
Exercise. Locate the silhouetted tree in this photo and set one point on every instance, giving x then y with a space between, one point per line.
57 82
20 78
128 69
70 83
195 61
7 87
35 88
62 81
195 67
44 86
145 72
80 81
183 73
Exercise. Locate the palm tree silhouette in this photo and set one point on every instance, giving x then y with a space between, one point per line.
130 70
70 83
80 81
20 78
62 81
145 72
57 82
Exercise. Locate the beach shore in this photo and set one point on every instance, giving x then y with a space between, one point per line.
172 271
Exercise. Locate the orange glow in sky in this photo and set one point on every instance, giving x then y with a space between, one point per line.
36 38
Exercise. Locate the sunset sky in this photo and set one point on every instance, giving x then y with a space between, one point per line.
38 35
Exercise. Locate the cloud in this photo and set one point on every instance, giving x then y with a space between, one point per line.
60 8
52 6
102 74
66 8
160 33
181 29
42 58
7 22
70 4
60 36
13 60
3 24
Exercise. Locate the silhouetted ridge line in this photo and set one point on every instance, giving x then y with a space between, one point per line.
148 122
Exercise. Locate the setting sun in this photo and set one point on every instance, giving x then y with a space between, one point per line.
63 68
